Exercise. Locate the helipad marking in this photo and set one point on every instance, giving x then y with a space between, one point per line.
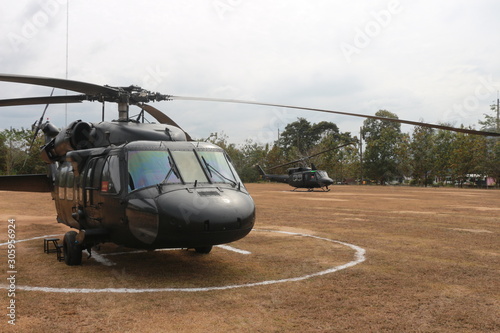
230 248
100 259
25 240
359 257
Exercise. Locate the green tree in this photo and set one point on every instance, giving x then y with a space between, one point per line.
303 136
275 156
403 155
442 151
18 155
468 155
3 153
253 154
492 163
383 151
491 123
342 163
423 157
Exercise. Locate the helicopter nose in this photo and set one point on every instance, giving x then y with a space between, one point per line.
201 217
327 181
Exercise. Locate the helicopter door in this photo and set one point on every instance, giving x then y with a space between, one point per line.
91 188
310 180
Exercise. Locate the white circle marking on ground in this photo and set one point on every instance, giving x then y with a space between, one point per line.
359 257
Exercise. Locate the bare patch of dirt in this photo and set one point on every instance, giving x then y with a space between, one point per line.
430 267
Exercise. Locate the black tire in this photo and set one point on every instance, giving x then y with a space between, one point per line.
72 249
203 249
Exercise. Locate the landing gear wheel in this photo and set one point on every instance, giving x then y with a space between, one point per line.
72 249
203 249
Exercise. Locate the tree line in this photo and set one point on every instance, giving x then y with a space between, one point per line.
427 155
20 152
382 153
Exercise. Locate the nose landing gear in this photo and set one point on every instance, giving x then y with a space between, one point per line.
72 249
203 249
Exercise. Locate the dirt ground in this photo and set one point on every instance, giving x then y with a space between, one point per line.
356 259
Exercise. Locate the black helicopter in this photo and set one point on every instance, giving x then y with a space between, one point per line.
303 176
137 184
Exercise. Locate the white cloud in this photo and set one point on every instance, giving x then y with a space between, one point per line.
427 60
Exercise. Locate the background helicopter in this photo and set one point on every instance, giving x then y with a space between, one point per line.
141 185
303 176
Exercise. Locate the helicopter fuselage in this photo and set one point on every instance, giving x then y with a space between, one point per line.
301 177
150 194
309 179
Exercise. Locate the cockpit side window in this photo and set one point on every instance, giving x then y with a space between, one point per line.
110 182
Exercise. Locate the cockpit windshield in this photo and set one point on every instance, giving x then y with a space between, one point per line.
189 166
152 167
321 174
217 166
149 167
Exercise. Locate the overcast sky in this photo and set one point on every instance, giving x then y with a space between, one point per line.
436 61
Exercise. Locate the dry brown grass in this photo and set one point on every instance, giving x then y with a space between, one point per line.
432 265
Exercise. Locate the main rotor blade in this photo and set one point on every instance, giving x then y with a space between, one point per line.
310 156
415 123
82 87
334 148
43 100
162 118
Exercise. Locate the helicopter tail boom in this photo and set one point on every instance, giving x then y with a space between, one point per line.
274 178
26 183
